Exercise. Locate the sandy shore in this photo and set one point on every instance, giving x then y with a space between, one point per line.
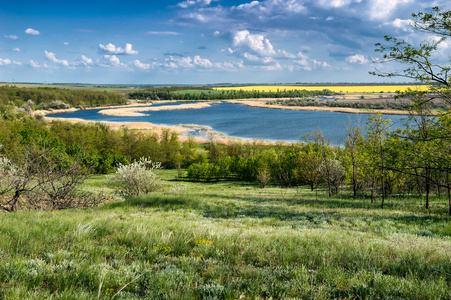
138 111
262 103
184 130
181 130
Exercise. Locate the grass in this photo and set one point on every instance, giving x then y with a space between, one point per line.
228 240
336 89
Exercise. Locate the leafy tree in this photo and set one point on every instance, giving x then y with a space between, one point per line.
353 155
424 144
377 134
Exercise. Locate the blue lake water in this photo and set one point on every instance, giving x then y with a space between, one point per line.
248 122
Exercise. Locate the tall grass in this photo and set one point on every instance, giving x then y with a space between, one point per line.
227 241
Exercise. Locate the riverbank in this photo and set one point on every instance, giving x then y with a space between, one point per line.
203 135
183 130
262 104
138 111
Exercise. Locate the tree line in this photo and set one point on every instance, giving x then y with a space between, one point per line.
399 104
412 161
15 96
209 94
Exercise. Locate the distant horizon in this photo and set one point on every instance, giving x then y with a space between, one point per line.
214 84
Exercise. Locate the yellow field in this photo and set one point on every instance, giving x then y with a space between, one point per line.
336 89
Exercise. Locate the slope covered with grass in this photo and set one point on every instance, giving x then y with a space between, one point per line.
227 240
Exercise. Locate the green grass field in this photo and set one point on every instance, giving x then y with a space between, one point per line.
228 240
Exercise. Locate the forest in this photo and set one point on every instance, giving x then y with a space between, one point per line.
15 96
178 93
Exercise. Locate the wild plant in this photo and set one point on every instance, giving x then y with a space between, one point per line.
135 179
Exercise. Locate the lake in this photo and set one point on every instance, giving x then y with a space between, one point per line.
242 121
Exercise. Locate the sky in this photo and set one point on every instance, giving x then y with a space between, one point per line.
201 41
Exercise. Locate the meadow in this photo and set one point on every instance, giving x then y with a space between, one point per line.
333 88
228 240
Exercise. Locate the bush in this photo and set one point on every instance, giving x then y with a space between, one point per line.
204 171
56 104
43 178
135 179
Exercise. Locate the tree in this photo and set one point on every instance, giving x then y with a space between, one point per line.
377 134
423 63
44 179
353 156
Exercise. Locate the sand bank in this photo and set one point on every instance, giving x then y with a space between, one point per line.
182 130
262 103
138 111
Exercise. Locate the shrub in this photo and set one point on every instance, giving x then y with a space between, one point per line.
135 179
45 179
56 104
263 177
204 171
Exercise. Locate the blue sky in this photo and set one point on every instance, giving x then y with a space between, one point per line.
200 41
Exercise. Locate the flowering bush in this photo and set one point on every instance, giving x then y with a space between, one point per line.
135 179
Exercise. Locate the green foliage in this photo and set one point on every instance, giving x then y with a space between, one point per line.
99 148
178 93
405 104
57 98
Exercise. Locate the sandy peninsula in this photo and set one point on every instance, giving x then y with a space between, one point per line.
138 111
262 103
181 130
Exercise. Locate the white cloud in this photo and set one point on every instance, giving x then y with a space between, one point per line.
141 65
398 23
251 57
163 33
201 18
302 62
356 59
274 67
4 62
255 43
404 25
66 43
320 64
113 60
188 3
202 62
216 33
86 61
34 64
16 49
17 63
272 7
112 49
175 62
32 31
229 66
335 3
381 9
11 37
285 54
52 57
